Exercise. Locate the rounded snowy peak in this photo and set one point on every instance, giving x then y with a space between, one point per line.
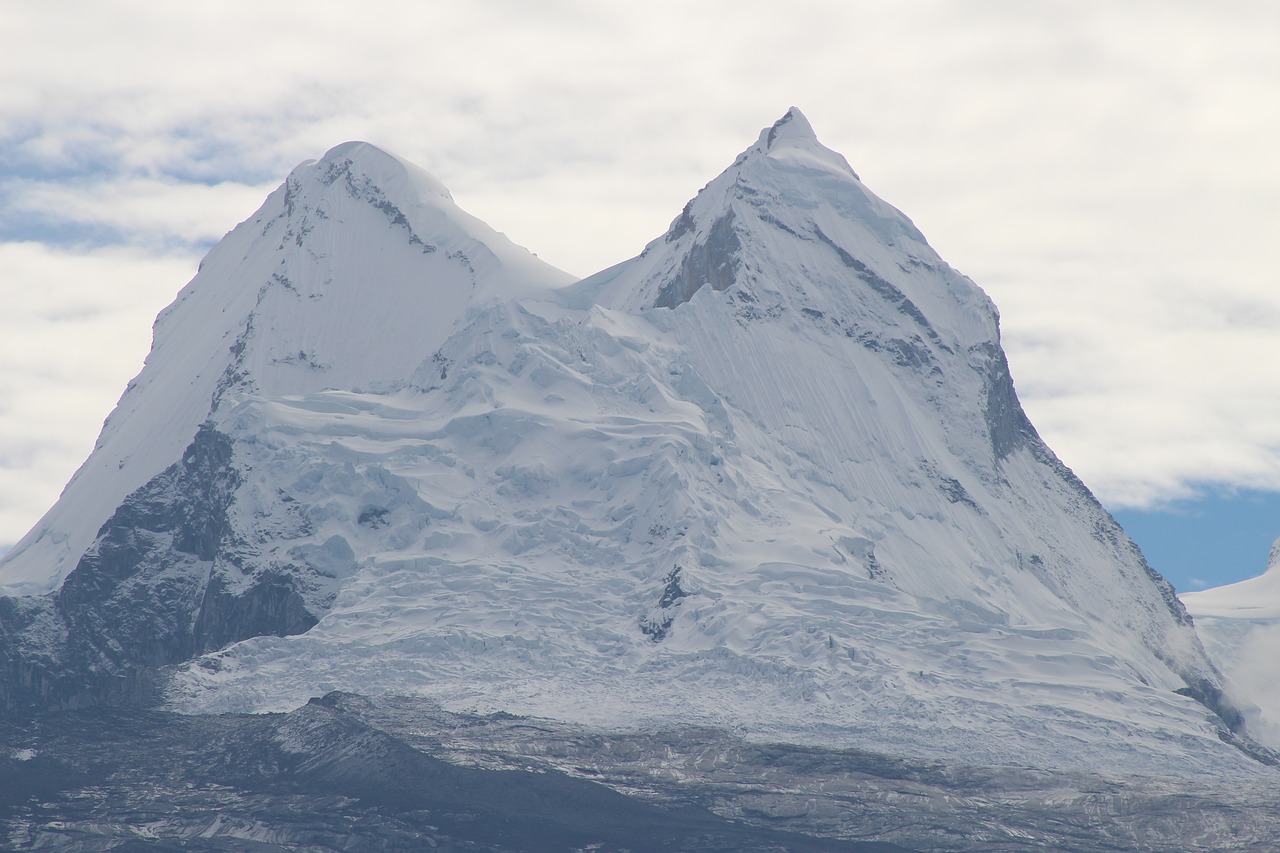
417 203
350 275
381 168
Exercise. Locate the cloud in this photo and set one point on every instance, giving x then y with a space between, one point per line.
1104 171
1252 672
147 211
1151 379
74 329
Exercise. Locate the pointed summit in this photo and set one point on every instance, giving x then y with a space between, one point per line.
793 136
793 125
782 197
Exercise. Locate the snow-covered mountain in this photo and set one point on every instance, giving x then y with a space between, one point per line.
771 476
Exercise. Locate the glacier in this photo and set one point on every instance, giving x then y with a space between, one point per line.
770 478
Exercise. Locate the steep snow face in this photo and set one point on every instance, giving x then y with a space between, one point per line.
1240 624
350 274
834 306
771 474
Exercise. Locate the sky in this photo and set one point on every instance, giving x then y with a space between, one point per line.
1105 171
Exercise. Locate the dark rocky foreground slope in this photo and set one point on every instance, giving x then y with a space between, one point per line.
319 779
347 773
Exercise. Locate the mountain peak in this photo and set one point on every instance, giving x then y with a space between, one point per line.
1273 559
791 138
357 149
380 168
355 247
792 125
781 196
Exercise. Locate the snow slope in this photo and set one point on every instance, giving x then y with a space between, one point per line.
770 475
1240 624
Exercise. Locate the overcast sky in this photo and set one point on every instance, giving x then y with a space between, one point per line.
1106 171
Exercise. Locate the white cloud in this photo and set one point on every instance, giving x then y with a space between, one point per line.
149 211
74 329
1149 386
1105 171
1252 670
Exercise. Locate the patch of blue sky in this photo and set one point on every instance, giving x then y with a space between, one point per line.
30 228
1220 537
179 154
87 236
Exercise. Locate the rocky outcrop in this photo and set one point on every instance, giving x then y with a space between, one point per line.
149 593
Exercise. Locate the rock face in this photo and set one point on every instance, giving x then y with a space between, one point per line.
347 773
322 779
148 594
771 474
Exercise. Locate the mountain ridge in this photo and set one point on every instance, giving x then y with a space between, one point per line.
771 475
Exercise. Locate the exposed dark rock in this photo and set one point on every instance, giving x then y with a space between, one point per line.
320 778
884 288
713 262
147 594
657 626
1009 427
373 516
